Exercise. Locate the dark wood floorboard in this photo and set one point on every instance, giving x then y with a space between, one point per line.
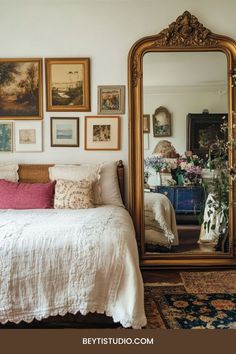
163 276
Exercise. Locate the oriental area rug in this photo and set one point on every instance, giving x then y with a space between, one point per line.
203 300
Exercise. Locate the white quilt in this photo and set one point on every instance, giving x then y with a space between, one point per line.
160 221
59 261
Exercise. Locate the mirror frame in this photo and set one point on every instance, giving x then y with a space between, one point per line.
186 34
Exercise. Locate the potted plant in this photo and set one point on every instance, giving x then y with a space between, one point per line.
216 217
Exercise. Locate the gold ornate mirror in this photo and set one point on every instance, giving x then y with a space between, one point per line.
181 170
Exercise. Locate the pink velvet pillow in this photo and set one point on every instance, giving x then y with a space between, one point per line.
26 195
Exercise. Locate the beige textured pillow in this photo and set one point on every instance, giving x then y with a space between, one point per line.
106 189
73 195
78 173
8 171
110 191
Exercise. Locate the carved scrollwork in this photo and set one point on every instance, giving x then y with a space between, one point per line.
234 74
186 31
136 73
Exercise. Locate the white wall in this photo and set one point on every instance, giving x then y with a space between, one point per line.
180 104
103 31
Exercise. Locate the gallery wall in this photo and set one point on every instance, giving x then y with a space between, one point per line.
102 30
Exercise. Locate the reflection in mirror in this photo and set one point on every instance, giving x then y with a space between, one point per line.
185 107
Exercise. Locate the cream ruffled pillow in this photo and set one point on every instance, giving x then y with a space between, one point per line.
77 173
73 195
8 171
106 189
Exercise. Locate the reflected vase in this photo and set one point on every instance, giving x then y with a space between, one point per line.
155 180
180 180
159 180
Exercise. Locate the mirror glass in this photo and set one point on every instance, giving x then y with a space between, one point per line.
185 112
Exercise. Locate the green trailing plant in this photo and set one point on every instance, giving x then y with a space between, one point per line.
219 185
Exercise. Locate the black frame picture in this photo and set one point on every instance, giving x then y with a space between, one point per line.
72 127
203 130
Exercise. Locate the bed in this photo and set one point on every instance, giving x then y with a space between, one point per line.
55 262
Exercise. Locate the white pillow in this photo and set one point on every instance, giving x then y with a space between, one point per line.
74 172
106 187
8 171
110 191
77 173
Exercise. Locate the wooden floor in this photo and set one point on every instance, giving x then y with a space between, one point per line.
161 276
188 242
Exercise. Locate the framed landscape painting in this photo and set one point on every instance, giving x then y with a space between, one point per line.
20 88
102 133
111 99
6 137
68 84
28 136
64 132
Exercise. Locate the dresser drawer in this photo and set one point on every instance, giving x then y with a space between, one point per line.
185 200
188 200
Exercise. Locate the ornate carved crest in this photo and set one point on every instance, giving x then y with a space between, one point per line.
186 31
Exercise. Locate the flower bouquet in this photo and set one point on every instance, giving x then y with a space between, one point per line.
188 169
158 165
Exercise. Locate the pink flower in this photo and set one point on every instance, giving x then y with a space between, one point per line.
189 153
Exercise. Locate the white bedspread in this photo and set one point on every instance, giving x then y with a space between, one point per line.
160 221
59 261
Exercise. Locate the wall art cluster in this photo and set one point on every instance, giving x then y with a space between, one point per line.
67 90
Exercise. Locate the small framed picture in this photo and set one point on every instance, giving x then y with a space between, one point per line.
21 89
6 137
102 133
146 123
64 132
146 141
68 84
28 136
161 122
111 99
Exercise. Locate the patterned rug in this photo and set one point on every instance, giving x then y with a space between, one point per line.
174 308
209 282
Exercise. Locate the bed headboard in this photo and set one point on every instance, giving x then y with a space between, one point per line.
38 173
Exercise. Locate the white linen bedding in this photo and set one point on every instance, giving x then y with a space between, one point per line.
59 261
160 221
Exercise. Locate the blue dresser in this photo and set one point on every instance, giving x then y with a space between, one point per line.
185 200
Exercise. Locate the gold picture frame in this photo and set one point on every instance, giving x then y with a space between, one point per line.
146 123
67 84
21 89
102 133
111 99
